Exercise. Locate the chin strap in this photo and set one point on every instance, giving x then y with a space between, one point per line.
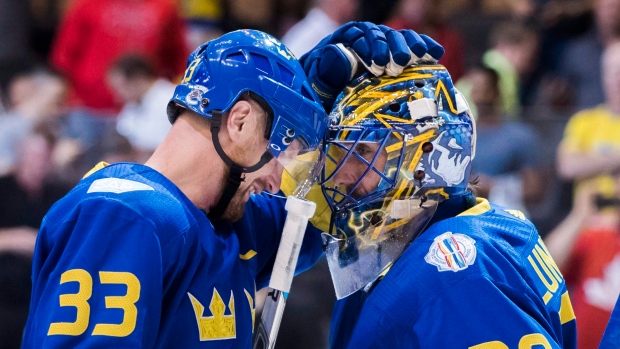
236 171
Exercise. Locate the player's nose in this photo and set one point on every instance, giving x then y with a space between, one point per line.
274 179
346 175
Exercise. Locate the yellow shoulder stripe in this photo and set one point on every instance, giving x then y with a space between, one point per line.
517 214
248 255
482 206
97 167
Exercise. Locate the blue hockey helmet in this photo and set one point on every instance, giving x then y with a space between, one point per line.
414 136
221 70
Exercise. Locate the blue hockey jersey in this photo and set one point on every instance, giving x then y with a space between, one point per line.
611 337
126 260
482 280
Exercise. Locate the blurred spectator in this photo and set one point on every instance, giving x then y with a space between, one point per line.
322 20
505 151
143 119
16 247
255 14
9 71
590 149
203 19
15 26
548 116
517 9
112 148
94 33
561 14
580 60
513 55
34 97
271 16
589 258
29 191
426 17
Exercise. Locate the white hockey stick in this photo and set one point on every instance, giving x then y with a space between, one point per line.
299 212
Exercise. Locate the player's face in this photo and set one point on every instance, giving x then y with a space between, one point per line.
353 169
267 178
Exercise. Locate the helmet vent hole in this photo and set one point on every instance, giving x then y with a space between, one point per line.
202 49
262 63
394 107
305 93
238 57
419 83
376 219
286 74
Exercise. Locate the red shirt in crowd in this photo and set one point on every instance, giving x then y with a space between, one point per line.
94 33
593 279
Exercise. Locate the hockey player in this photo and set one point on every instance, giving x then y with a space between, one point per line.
168 254
416 259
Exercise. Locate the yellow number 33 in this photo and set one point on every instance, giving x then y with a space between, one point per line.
80 301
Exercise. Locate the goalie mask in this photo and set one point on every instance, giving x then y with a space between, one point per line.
396 147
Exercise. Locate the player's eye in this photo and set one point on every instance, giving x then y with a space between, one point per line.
364 151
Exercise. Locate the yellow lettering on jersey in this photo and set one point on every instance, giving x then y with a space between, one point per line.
544 264
126 302
534 340
517 214
218 326
78 300
248 255
490 345
529 341
566 309
252 308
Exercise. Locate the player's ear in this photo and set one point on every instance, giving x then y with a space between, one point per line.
238 123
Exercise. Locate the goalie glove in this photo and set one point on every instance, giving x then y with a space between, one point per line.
379 49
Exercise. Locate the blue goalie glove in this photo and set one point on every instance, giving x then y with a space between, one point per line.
336 60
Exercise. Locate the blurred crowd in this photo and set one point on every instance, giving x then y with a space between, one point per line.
83 81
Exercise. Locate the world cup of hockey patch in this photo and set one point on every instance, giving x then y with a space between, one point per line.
451 252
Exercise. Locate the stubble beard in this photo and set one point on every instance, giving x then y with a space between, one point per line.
236 208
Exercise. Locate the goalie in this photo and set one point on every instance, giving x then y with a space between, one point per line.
416 259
